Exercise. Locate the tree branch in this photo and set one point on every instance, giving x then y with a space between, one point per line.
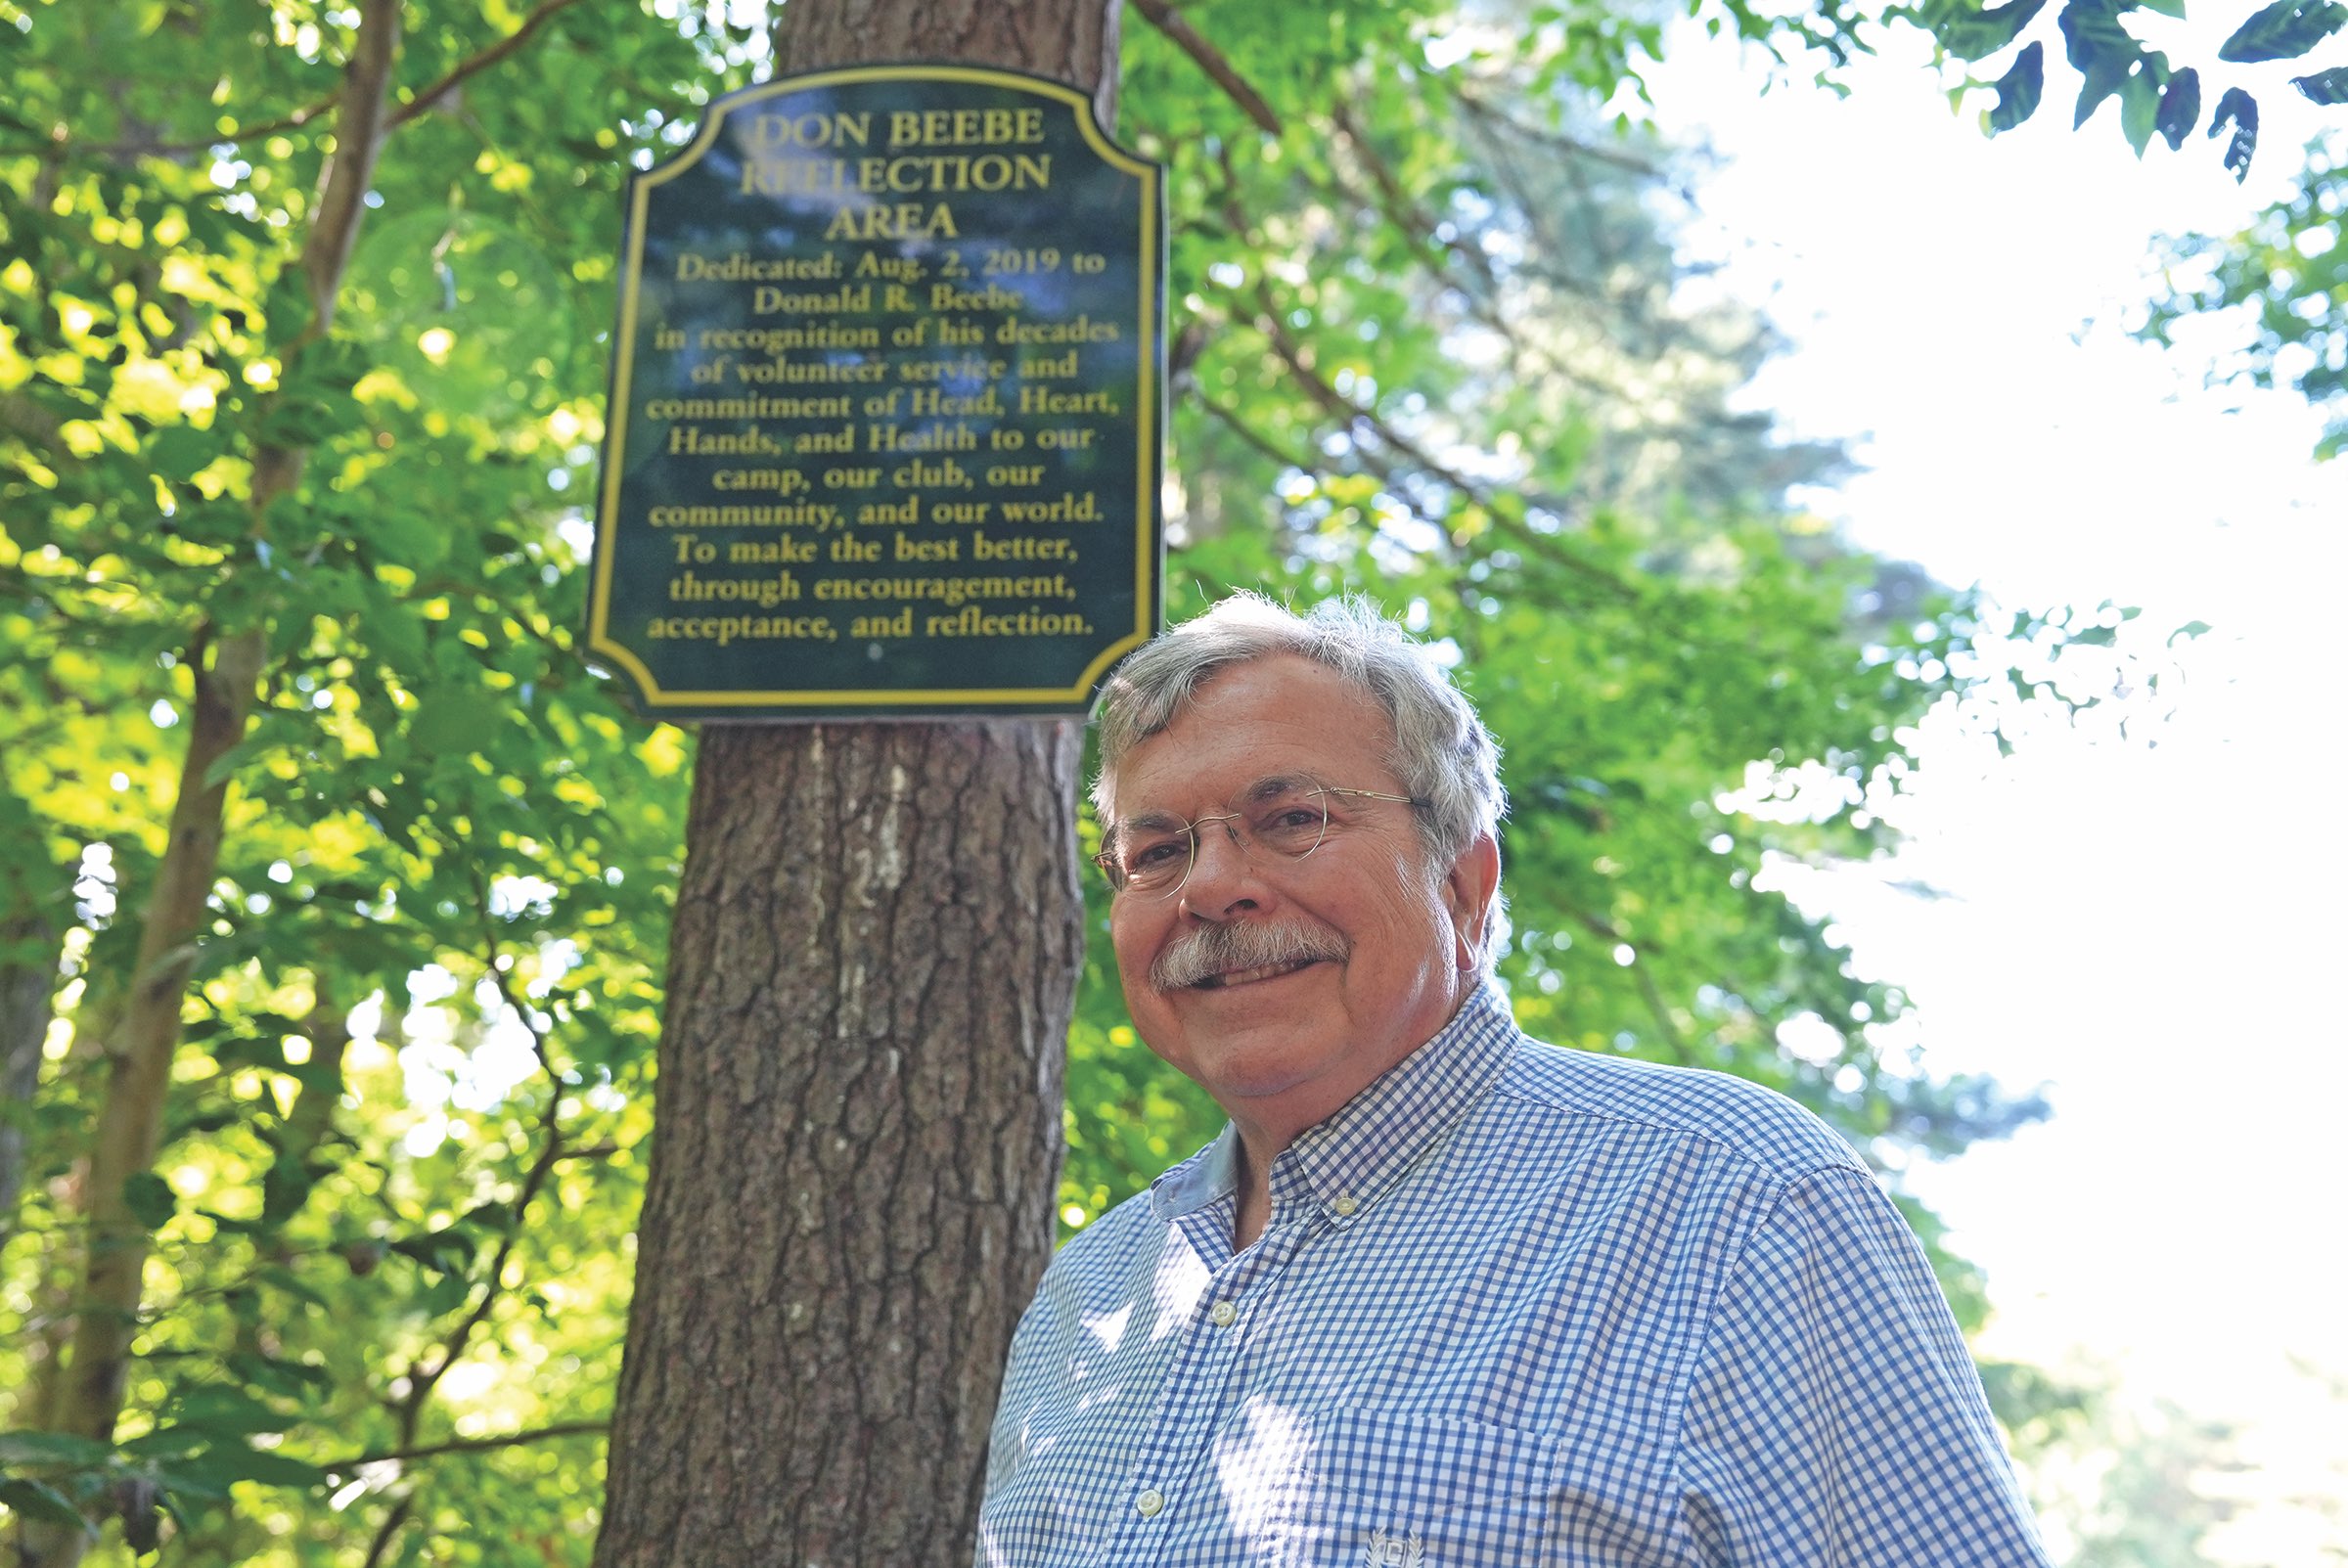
1491 114
468 1445
425 101
1404 209
396 1517
58 145
1166 20
505 992
1419 227
358 138
1348 412
1644 975
1507 511
421 1378
1352 416
1386 473
1230 419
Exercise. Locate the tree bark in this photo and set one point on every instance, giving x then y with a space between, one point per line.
1074 40
28 942
858 1146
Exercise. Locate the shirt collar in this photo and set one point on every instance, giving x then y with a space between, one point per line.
1347 1162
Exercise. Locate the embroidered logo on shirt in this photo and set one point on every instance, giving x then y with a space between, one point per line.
1393 1552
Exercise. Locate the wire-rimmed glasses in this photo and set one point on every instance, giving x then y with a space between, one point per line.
1286 816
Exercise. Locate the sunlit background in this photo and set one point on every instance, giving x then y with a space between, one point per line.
2140 911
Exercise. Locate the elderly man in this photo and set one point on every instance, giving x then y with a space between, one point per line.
1440 1296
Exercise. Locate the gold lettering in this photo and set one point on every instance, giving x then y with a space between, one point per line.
905 220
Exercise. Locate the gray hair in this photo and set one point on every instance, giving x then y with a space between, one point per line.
1442 753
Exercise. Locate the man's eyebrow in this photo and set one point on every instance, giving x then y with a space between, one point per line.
1279 783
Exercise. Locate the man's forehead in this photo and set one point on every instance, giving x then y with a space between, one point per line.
1275 717
1278 690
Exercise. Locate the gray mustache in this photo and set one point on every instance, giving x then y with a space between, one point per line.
1241 945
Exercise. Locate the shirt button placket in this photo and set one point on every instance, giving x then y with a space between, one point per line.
1200 1386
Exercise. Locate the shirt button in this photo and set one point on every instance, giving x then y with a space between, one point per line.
1345 1205
1223 1314
1150 1501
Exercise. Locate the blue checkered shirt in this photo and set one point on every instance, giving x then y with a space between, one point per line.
1515 1306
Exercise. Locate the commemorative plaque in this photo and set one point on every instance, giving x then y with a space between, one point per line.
883 435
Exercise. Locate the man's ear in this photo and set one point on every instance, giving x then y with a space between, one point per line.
1468 892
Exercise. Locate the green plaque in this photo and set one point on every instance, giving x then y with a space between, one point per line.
885 432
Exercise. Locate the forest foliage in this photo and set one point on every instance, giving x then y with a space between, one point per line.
2280 285
290 547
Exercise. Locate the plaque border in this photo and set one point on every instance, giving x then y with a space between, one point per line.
1149 537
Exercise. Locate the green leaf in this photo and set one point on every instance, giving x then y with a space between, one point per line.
169 1442
19 1448
397 636
2187 632
2180 107
233 1461
454 721
288 305
182 1480
2099 49
1977 33
292 1379
489 1217
221 1409
317 1076
37 1502
210 1121
178 452
285 1188
2242 111
2019 90
2097 83
291 1283
408 538
2283 30
149 1199
2324 86
2139 103
442 1251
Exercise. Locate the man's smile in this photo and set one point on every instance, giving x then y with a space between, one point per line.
1267 971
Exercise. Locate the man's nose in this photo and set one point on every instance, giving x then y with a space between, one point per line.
1224 869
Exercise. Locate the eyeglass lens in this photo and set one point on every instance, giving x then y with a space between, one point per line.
1286 816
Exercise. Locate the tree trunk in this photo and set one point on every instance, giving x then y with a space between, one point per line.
858 1146
130 1119
858 1143
29 959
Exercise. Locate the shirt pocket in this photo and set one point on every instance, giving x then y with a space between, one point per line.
1380 1491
